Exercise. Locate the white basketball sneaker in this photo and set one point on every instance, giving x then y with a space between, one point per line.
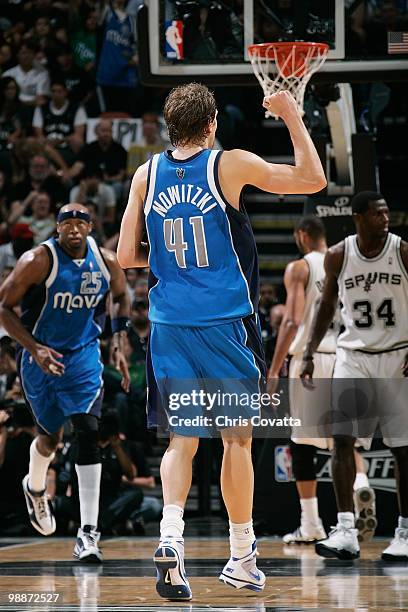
398 549
40 509
304 535
243 573
342 543
364 507
171 581
86 546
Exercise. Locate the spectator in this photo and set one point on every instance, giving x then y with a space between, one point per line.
43 39
83 40
150 508
149 142
61 122
152 132
142 290
8 368
132 276
116 504
40 219
17 431
78 82
6 57
4 211
140 327
41 177
32 79
97 226
21 241
92 189
131 408
267 298
10 125
106 155
55 11
117 69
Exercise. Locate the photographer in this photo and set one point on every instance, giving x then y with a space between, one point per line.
17 431
116 504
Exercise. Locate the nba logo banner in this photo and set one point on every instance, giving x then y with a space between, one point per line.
283 464
174 40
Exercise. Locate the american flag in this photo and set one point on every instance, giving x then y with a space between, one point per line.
397 42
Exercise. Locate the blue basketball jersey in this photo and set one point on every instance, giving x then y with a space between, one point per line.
118 47
203 259
67 310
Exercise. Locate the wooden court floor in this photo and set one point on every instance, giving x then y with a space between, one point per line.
297 579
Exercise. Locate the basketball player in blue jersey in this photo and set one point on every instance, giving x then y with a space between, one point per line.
62 286
203 301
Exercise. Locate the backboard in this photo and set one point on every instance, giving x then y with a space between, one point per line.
181 40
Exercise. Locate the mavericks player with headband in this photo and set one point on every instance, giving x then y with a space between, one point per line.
203 301
62 286
368 272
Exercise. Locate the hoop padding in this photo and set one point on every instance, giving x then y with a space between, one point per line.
287 66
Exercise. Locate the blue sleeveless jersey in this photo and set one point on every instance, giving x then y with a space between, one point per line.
67 310
118 47
203 259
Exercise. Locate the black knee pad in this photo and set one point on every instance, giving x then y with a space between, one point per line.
86 438
303 461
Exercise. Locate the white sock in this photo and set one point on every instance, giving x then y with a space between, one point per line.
402 522
346 519
241 539
89 480
172 524
310 512
361 481
37 471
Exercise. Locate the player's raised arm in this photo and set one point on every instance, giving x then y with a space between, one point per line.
325 312
295 280
132 252
31 269
120 314
306 176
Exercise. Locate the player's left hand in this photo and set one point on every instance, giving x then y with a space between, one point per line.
306 373
272 382
405 366
121 366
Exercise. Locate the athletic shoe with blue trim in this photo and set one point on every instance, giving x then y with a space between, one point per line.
243 573
172 581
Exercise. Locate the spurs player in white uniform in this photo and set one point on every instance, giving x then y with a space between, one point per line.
369 273
304 280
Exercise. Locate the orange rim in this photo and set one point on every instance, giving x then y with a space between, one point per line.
266 50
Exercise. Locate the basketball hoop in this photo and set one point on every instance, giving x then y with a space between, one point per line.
286 66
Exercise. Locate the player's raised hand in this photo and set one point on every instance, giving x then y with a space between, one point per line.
280 103
306 373
48 360
121 366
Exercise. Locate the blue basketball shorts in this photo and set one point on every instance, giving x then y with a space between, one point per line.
200 378
54 399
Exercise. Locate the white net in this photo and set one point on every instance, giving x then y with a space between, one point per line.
286 66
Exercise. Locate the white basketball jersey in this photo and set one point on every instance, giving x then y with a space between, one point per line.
313 293
374 297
